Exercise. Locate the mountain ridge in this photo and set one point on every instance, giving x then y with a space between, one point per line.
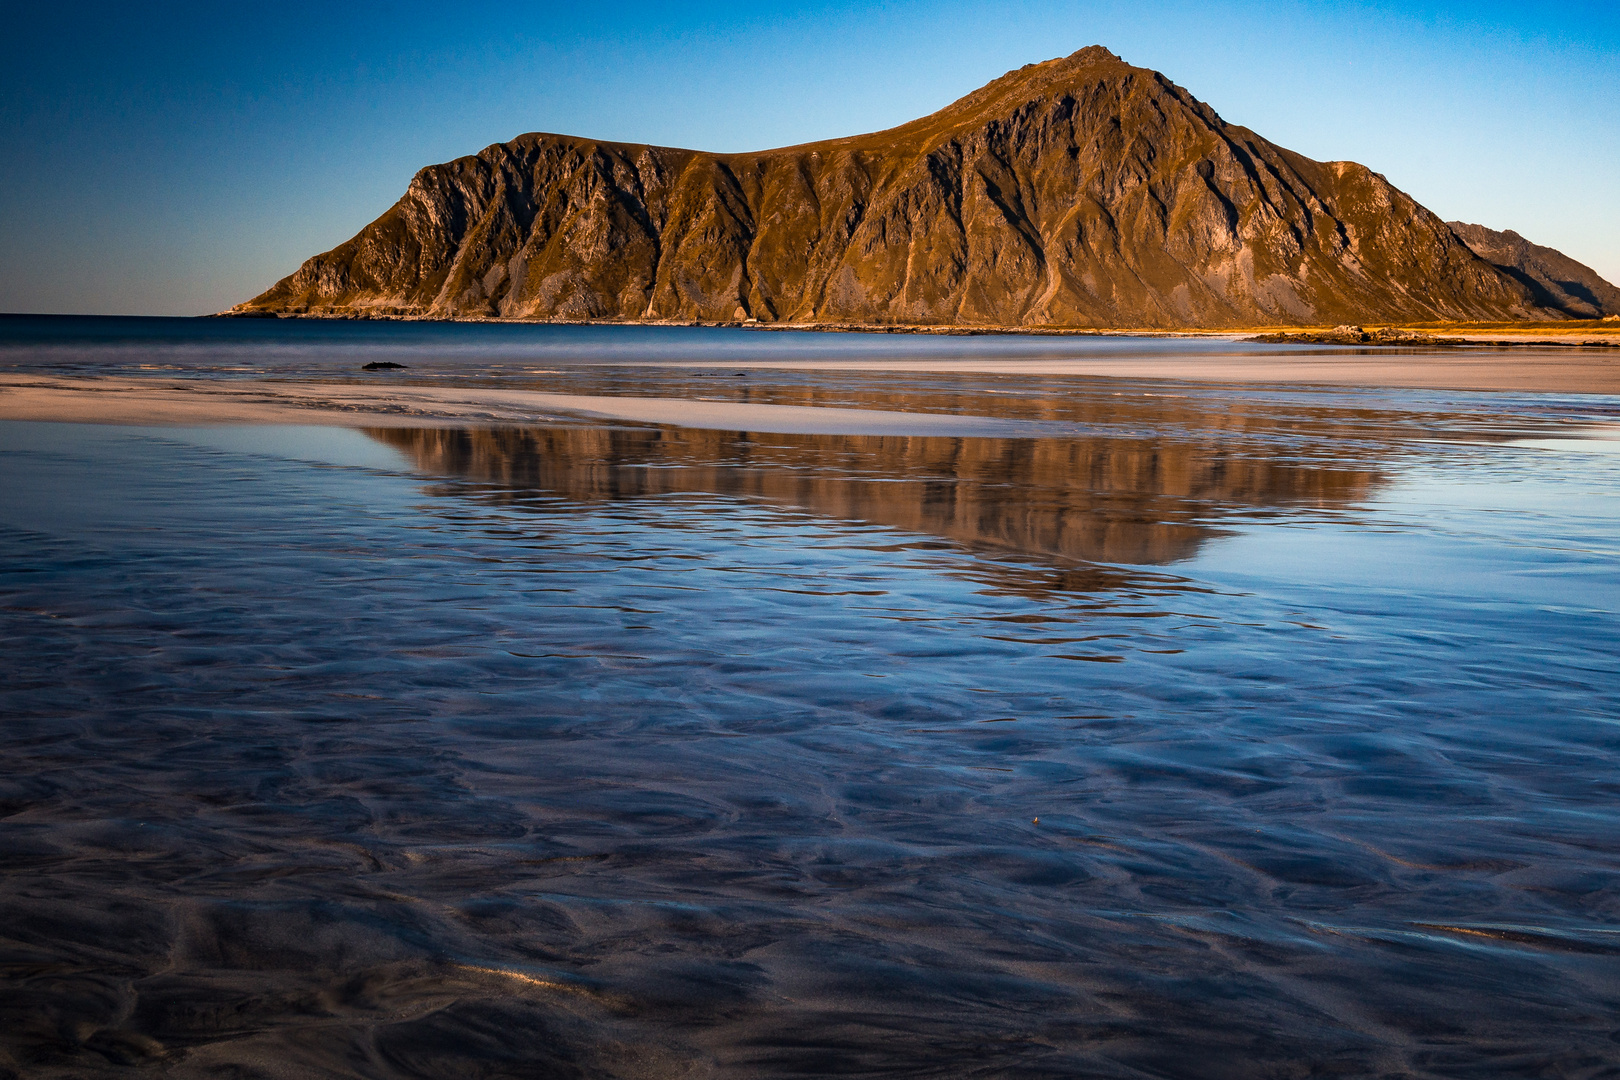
1077 192
1555 279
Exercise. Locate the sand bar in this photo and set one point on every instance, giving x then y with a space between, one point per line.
1564 371
396 404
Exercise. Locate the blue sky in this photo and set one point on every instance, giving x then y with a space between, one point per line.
179 158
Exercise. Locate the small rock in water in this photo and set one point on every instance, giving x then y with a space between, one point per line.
380 365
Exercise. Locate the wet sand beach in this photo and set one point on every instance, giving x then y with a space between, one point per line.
392 399
573 706
150 401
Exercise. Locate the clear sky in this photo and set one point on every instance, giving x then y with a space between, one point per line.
178 158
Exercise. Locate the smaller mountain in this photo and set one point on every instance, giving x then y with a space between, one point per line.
1555 279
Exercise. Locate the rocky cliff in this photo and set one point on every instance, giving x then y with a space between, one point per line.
1554 279
1078 192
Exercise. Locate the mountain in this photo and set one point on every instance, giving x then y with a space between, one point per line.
1077 192
1553 278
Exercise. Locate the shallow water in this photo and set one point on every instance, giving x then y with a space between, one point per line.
308 347
1238 732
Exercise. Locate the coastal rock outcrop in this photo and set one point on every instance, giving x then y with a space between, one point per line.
1080 192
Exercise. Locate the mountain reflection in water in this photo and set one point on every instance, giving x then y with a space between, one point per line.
1111 499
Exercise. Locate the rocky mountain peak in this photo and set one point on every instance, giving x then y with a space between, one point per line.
1091 54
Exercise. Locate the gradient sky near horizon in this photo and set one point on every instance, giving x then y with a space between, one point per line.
179 158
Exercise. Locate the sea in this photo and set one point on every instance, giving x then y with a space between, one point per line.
1217 731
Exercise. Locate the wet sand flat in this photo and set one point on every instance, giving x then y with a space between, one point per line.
629 702
1559 371
179 401
397 401
1246 732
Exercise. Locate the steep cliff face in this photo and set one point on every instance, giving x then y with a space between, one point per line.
1078 192
1554 279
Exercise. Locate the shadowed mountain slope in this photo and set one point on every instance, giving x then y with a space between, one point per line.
1554 279
1077 192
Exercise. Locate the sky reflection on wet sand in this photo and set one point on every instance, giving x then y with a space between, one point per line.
634 750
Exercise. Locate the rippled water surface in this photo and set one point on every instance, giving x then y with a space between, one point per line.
1239 732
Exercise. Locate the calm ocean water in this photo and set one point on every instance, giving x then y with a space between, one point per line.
1242 731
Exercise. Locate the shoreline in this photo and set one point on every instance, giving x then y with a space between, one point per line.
1585 333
